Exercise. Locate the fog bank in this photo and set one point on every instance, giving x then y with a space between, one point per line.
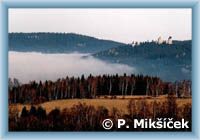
38 66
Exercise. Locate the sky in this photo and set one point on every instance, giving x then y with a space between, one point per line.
122 25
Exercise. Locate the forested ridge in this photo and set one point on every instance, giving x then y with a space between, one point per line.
170 62
58 43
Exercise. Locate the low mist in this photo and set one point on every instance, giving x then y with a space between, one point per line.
29 66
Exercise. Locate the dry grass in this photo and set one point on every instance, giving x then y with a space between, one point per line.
120 103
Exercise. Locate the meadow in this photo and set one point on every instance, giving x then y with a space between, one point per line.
119 102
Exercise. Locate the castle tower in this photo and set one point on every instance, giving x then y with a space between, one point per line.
169 41
160 40
133 44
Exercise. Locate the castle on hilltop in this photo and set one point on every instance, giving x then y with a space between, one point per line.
161 41
158 41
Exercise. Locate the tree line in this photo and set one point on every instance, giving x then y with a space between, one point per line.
95 87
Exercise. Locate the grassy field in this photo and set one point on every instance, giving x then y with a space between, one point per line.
120 103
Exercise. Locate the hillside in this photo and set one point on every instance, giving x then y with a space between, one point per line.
58 43
170 62
88 114
120 103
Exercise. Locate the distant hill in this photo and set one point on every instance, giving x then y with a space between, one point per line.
58 43
170 62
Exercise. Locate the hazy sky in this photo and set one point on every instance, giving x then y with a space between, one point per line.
124 25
